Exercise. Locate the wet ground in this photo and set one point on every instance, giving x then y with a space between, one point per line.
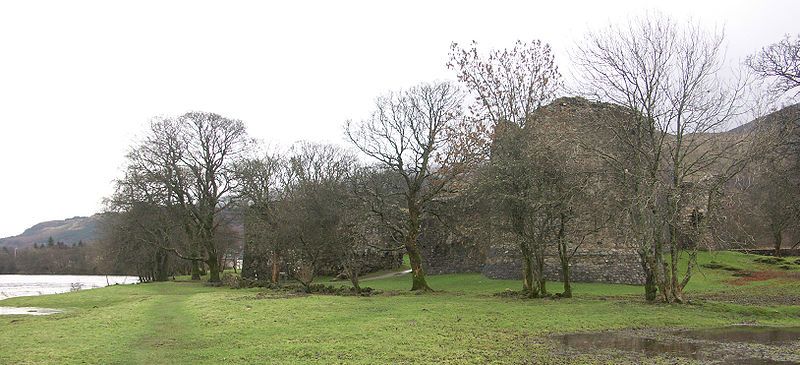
33 311
727 345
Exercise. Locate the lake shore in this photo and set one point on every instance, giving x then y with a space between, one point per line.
17 285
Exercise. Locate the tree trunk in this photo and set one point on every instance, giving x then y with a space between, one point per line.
778 240
542 283
195 270
650 288
538 271
564 257
161 266
674 252
661 272
276 267
213 270
418 274
528 279
692 261
566 277
418 281
354 281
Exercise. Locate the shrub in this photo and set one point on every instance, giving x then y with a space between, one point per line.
769 260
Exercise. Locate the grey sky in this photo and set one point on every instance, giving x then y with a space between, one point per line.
79 80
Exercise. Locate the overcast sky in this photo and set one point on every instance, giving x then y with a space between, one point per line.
79 80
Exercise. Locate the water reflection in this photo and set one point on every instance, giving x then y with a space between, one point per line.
619 341
750 334
680 343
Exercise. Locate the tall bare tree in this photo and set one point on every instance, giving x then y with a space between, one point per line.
317 195
192 157
259 192
666 157
358 231
418 135
780 64
509 86
144 221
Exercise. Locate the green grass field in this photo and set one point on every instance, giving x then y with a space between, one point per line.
463 322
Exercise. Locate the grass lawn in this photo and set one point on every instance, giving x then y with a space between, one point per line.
189 323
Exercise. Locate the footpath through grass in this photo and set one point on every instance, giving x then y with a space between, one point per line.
189 323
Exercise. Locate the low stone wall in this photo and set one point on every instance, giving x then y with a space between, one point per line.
462 248
613 265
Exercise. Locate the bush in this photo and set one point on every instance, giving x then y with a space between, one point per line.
341 290
233 280
769 260
523 294
237 282
713 265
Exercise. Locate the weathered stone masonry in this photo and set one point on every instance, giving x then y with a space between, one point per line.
593 265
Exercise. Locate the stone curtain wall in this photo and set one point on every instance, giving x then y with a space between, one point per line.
613 265
494 254
593 265
456 255
608 265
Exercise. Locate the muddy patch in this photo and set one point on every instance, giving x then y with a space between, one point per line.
31 311
727 345
746 277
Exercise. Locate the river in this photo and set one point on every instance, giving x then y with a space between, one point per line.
26 285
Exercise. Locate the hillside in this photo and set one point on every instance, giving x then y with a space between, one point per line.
69 231
778 118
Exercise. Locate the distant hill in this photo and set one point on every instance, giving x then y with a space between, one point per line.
69 231
774 119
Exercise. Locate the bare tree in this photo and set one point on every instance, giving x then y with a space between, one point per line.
521 202
780 62
143 224
357 231
776 200
259 191
192 157
140 240
666 157
317 197
419 136
509 86
769 190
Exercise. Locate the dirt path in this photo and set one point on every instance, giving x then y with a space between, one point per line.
388 275
165 330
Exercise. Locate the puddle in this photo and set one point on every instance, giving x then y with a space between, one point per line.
32 311
749 334
625 342
727 344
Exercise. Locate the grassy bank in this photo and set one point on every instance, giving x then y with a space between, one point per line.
184 322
